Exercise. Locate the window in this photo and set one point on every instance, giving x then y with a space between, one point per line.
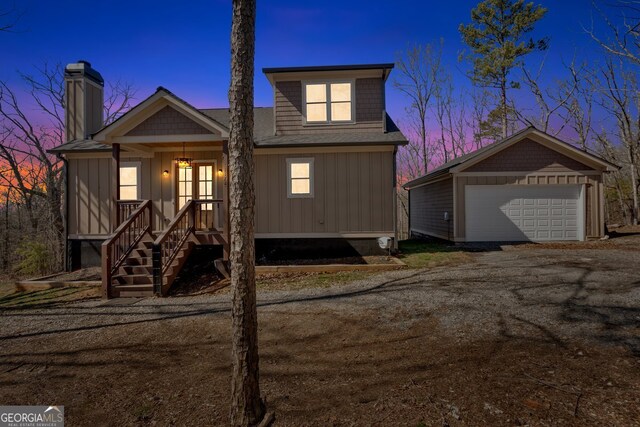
129 181
299 178
197 182
328 102
205 185
185 186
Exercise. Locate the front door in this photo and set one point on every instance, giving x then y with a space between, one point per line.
199 183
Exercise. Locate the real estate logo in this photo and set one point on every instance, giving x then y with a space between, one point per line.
31 416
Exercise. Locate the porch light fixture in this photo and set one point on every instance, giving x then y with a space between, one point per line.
184 162
165 173
220 173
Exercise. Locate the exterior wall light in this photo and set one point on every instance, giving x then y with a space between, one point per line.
165 173
220 173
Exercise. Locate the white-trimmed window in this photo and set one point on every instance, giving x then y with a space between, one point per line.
328 102
130 181
300 177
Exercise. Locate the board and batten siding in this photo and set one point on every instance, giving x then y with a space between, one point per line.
86 111
89 201
592 184
353 193
427 205
369 109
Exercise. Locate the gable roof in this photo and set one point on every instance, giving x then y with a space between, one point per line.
161 98
467 160
218 118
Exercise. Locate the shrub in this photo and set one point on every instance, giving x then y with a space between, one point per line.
35 258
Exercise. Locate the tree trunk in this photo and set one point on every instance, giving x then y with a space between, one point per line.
634 193
246 406
503 103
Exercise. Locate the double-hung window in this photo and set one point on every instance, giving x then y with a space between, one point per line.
130 181
328 102
300 178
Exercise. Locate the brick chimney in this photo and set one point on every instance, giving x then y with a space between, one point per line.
84 89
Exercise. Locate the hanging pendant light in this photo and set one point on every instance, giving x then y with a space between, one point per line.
184 162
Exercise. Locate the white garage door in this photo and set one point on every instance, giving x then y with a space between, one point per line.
523 213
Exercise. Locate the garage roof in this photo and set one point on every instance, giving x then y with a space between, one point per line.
466 160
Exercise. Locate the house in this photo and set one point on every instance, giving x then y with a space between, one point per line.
528 187
143 191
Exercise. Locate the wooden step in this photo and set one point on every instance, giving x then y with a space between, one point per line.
135 269
123 291
141 252
133 279
135 260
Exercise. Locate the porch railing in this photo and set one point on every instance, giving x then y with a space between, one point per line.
126 208
195 215
117 248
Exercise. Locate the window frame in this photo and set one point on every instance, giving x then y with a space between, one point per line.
138 166
310 161
328 83
195 180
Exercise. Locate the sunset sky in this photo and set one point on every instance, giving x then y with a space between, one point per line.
184 46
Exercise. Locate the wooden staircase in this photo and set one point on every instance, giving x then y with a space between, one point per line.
135 264
134 277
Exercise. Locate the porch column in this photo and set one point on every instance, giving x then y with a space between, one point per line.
115 186
225 203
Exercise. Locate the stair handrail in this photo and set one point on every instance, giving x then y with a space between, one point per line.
119 245
170 241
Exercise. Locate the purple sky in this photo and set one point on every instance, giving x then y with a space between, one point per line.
184 46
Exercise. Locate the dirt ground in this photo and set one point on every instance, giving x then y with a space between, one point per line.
531 336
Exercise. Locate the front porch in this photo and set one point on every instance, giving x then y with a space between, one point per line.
168 193
148 246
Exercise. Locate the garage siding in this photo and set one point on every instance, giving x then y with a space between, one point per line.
427 207
593 184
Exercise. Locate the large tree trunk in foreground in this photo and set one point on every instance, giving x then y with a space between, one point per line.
246 406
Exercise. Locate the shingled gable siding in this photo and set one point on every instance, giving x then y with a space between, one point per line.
428 205
528 155
168 121
369 100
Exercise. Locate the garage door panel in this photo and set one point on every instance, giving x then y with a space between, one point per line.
517 212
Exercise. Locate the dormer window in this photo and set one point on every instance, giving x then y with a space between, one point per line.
328 102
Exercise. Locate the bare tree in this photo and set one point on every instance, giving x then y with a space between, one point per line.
34 174
550 101
578 110
419 68
620 97
450 113
624 33
9 19
481 105
247 408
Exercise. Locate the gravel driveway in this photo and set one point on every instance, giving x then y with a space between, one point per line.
551 304
592 294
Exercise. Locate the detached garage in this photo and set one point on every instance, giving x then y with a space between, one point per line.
529 187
